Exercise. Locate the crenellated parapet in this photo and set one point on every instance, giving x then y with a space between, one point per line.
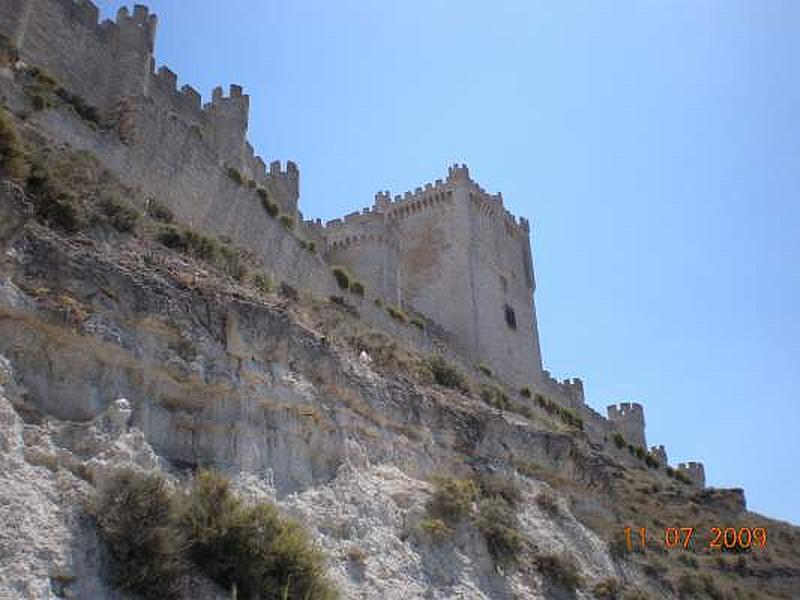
694 471
628 419
568 392
660 454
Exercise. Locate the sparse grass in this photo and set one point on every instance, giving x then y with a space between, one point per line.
497 521
525 392
287 221
262 282
159 211
397 313
452 499
619 440
13 158
342 276
608 589
494 396
446 374
437 529
566 415
484 368
120 215
136 515
560 570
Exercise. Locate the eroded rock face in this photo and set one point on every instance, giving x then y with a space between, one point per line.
119 366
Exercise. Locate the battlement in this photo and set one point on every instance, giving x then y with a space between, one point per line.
660 454
458 173
694 471
625 411
140 23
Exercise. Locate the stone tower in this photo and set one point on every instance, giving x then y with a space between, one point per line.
628 419
453 252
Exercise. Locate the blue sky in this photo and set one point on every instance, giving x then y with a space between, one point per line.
654 145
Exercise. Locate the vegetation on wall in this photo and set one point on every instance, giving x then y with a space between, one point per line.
488 502
154 534
13 158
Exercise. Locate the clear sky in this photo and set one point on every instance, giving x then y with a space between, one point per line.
654 145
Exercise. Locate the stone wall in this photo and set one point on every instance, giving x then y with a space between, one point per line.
628 419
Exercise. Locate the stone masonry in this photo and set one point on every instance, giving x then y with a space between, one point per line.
449 250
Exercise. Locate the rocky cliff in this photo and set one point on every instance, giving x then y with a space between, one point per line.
127 340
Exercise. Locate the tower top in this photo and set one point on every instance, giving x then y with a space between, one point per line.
458 173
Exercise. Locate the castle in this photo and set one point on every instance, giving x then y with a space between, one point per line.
448 251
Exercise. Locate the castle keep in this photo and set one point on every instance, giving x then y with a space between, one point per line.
448 251
451 251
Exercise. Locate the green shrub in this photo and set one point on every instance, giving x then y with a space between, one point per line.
311 246
497 521
651 461
342 276
271 207
417 322
357 287
262 282
121 216
446 374
560 570
608 589
397 313
378 302
252 547
171 237
619 440
525 391
483 368
231 260
13 158
683 477
494 396
137 522
452 499
200 246
640 452
159 211
59 209
435 528
235 175
491 485
287 221
83 109
567 415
